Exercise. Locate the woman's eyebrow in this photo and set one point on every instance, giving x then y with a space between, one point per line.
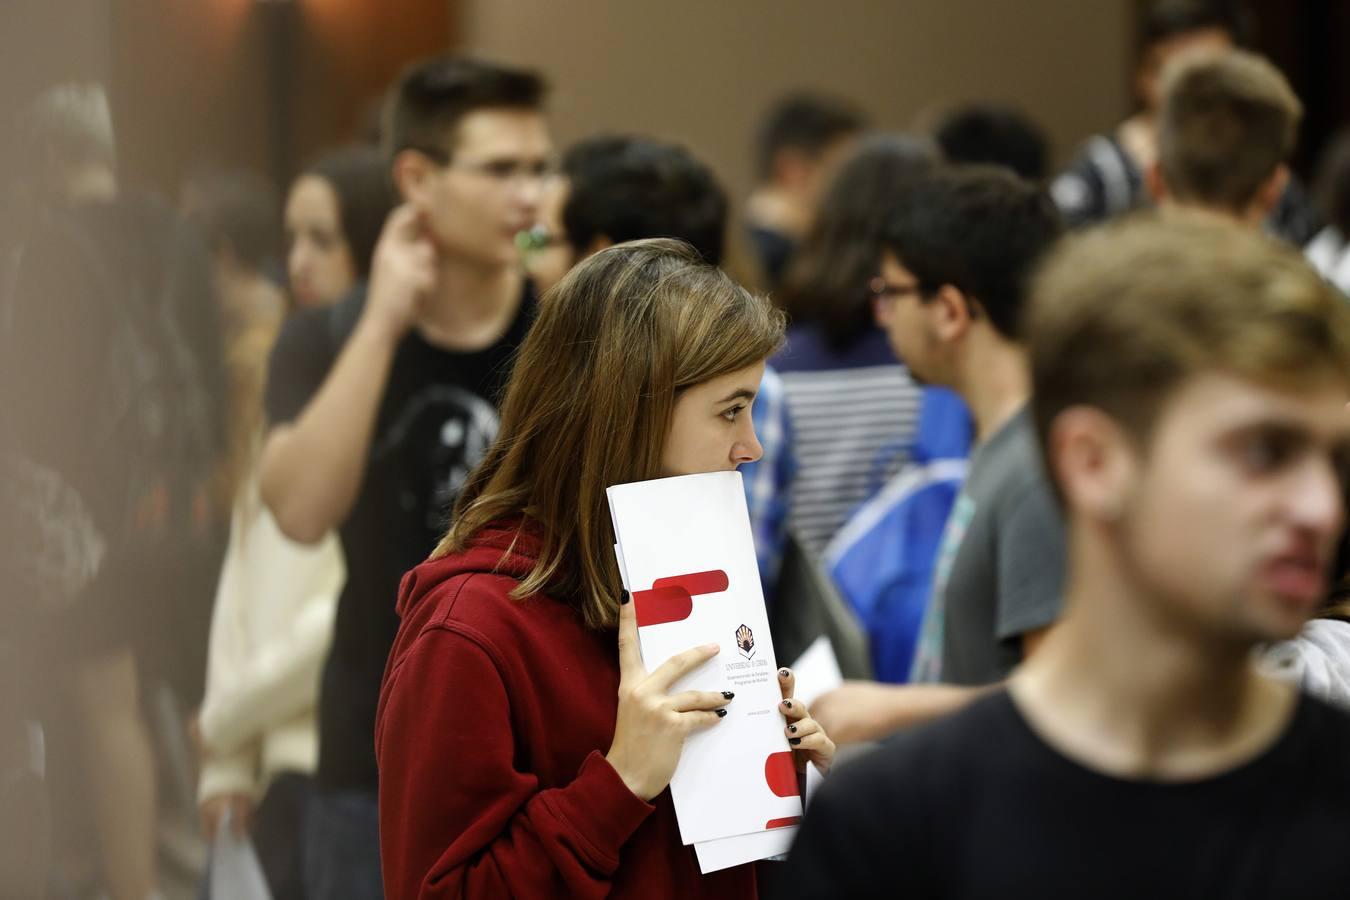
740 394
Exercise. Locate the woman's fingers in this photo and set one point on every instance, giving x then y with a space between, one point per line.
793 709
679 665
818 746
809 739
630 656
787 682
692 700
701 718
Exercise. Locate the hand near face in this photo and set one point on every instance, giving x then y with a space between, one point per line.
652 723
403 273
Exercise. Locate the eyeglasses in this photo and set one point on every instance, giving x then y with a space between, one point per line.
885 293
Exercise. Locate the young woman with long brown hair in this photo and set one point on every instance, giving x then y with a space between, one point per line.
521 753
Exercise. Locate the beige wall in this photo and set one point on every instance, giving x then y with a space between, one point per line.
44 43
702 71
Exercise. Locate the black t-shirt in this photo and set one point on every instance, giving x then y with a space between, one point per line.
977 805
435 422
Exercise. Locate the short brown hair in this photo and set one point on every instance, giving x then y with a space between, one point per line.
590 402
1123 314
432 97
1228 120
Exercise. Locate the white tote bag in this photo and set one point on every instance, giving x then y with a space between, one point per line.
236 873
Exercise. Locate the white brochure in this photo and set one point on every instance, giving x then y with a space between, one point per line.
714 856
687 555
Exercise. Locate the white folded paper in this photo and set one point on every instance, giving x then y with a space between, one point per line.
688 558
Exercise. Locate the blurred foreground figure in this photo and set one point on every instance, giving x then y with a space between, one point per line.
1189 385
111 398
273 614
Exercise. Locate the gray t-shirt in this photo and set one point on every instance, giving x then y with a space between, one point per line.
1000 569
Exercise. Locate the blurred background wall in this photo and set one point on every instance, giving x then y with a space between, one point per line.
265 84
257 84
703 71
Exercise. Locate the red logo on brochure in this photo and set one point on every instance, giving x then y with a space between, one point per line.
672 599
745 641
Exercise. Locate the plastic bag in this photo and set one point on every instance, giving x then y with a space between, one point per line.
236 873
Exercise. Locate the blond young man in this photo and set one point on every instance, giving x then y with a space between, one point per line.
1189 379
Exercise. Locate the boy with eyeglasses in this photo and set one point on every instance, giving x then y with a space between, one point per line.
382 405
956 259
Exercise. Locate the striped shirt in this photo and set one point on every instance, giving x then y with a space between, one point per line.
854 414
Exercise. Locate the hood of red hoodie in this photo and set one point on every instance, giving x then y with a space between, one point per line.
503 548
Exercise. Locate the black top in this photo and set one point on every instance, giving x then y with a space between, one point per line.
976 805
435 422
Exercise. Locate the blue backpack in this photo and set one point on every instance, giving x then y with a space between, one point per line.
883 558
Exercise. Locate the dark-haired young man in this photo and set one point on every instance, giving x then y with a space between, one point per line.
995 135
617 188
1190 378
802 140
950 294
381 405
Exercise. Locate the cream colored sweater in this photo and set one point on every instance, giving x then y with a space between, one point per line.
270 632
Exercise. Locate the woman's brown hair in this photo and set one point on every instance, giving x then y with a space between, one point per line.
826 284
589 405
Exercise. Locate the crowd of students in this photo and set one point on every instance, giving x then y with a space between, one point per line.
1069 448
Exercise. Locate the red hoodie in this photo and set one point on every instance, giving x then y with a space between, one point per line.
494 718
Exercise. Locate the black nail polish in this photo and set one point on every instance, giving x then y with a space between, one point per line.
728 694
783 673
623 598
787 704
794 741
721 714
792 728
